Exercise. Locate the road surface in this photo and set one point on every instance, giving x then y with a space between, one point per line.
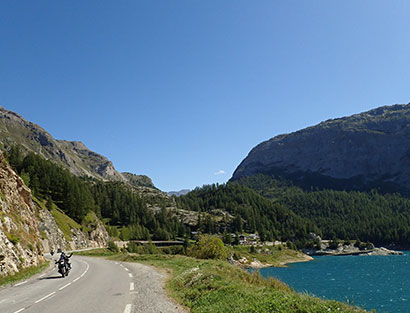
93 285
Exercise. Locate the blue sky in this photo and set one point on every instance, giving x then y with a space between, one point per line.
182 90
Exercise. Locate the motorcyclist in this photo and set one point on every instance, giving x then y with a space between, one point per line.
65 258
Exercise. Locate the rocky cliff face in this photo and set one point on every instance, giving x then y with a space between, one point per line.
138 180
19 228
95 236
363 151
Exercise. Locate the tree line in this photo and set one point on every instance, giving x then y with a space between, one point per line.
126 212
249 212
365 216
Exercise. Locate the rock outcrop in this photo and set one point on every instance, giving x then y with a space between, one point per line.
96 236
20 240
360 152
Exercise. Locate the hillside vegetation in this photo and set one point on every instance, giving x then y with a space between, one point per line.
251 213
125 211
367 216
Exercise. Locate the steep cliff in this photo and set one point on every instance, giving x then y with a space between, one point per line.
20 240
363 151
92 234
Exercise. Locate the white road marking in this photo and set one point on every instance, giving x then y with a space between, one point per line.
19 284
132 287
128 308
21 310
45 297
64 286
76 279
121 265
126 269
116 263
130 275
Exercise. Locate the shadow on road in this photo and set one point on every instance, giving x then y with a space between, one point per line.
50 277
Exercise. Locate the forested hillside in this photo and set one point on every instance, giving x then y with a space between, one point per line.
124 210
251 213
368 216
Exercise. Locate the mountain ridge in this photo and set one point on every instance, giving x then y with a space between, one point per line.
362 151
73 155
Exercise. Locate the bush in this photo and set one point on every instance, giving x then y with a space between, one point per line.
113 247
209 247
334 244
149 248
13 238
173 250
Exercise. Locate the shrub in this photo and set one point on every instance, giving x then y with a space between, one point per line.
334 244
113 247
13 238
149 248
209 247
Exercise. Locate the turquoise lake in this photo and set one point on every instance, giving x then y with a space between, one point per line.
371 282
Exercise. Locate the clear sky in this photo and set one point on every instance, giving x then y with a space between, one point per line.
182 90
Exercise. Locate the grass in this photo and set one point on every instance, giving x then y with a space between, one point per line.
275 256
23 274
206 286
64 222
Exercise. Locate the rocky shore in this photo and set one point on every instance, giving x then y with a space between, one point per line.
351 250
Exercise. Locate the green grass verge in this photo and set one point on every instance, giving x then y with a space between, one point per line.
64 222
23 274
207 286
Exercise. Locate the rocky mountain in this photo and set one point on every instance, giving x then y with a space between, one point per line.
138 180
73 155
179 193
362 151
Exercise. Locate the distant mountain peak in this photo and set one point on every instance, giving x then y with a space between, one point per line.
179 193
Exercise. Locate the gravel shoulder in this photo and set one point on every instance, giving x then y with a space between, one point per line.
150 296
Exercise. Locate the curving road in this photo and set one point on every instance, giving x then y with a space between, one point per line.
93 285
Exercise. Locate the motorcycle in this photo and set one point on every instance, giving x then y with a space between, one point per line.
62 268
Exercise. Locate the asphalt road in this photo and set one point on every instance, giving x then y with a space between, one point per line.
93 285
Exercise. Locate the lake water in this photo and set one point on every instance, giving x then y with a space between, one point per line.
371 282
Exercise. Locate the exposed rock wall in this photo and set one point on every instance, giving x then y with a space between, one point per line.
363 151
54 239
19 229
96 238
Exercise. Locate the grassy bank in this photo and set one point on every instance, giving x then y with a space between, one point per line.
206 286
23 274
277 256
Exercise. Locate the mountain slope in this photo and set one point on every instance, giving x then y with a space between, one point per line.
74 155
363 151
